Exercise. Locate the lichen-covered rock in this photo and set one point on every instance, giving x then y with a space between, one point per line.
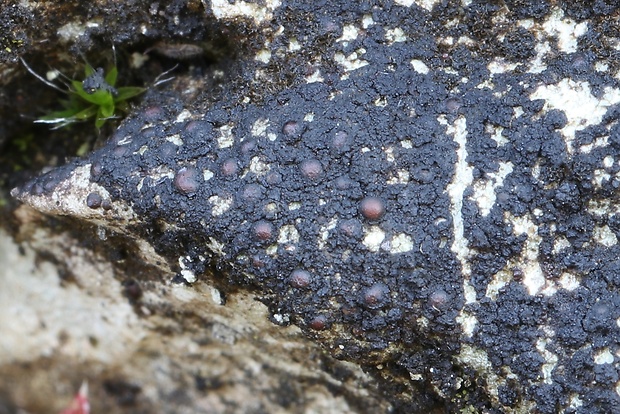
427 188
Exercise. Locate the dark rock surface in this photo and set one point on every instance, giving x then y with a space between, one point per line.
429 192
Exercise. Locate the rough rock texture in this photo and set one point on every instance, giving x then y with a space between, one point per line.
145 345
427 189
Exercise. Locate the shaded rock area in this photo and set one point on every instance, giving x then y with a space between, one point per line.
145 345
373 207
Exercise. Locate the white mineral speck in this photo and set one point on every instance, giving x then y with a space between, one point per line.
395 35
70 31
608 161
216 296
604 356
288 234
373 238
605 236
226 138
401 243
220 205
259 128
188 275
568 281
315 77
175 139
349 32
183 116
351 62
367 21
419 66
324 232
258 167
263 55
293 45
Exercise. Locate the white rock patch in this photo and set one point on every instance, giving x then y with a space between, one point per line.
288 235
426 4
373 238
603 235
324 232
533 276
566 30
395 35
484 190
351 62
551 360
463 177
226 138
220 205
175 139
69 199
349 32
582 109
223 9
604 356
401 243
419 66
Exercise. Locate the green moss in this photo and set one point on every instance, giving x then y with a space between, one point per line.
94 97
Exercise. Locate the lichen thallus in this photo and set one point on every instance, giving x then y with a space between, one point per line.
96 96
